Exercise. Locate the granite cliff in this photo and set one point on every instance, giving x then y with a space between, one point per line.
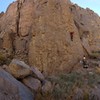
39 32
42 43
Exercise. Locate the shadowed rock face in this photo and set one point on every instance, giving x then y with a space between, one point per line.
11 89
8 90
38 31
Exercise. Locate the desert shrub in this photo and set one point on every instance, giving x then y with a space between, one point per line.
86 96
2 59
95 54
5 59
93 79
65 84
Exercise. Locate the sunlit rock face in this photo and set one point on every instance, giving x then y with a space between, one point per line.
88 24
39 32
51 47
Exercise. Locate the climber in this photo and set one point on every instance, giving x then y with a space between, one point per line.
71 35
84 62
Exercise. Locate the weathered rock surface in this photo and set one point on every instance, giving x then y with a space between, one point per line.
11 89
42 29
39 31
51 45
32 83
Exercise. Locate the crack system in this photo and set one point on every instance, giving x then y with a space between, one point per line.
19 5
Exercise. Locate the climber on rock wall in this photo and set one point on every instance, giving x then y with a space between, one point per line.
71 35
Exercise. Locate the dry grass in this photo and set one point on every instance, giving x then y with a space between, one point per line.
66 84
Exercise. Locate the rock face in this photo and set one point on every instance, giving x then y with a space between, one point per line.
1 14
88 25
40 31
51 43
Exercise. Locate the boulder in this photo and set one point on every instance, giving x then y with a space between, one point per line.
32 83
8 90
36 73
47 87
19 69
11 89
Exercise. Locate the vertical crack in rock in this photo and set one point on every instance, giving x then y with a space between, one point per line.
18 17
19 5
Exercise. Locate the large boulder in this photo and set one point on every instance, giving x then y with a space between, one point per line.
11 89
19 69
32 83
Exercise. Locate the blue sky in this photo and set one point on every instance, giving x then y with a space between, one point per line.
4 4
92 4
